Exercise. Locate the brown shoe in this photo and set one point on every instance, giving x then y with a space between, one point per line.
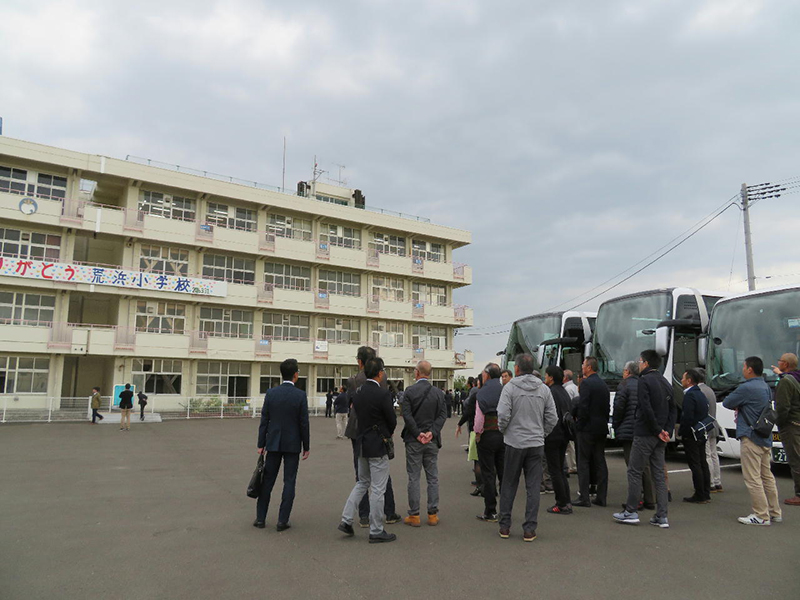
412 520
505 533
528 536
433 519
794 501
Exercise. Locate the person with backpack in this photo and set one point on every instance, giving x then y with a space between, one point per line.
749 400
555 444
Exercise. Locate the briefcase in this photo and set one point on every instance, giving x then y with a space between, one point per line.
257 480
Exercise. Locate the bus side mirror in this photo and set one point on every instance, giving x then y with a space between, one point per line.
702 350
540 355
662 341
588 349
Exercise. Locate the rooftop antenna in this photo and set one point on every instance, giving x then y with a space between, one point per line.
317 171
283 179
340 181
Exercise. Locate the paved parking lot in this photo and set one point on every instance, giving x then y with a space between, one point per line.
160 512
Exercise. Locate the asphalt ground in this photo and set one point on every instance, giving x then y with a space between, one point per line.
161 512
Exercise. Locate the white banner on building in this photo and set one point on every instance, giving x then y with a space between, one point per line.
71 273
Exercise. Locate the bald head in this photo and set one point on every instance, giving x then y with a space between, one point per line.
790 360
423 369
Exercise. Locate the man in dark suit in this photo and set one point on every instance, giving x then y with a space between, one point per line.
282 434
592 426
376 421
695 409
424 415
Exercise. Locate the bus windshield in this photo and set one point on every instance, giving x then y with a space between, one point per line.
625 328
766 325
527 334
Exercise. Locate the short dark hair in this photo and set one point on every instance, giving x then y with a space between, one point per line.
756 364
556 372
506 371
593 365
365 353
470 381
373 367
525 363
492 370
127 386
288 368
652 358
693 376
96 389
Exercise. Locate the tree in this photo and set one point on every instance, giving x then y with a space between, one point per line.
460 383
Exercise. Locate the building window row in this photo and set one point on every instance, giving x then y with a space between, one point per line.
23 375
162 259
29 244
231 217
290 277
167 206
223 379
226 322
153 316
43 185
158 376
341 283
338 235
290 227
27 309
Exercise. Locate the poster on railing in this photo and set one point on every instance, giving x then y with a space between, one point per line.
93 275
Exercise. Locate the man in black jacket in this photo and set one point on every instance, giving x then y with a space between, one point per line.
282 433
491 448
376 422
424 415
655 420
555 444
592 426
694 410
364 354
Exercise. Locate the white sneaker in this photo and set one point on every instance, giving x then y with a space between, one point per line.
776 519
753 520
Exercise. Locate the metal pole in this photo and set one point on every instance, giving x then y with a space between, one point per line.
748 243
50 412
188 406
5 406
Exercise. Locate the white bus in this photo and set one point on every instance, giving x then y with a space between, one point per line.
669 321
762 323
555 338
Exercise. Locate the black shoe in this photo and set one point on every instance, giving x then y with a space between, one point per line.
363 522
598 502
581 502
390 519
692 500
647 506
259 524
346 529
476 492
490 518
383 536
283 526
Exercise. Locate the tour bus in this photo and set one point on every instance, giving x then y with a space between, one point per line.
762 323
555 338
670 321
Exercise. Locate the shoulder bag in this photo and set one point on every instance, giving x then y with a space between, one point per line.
257 480
765 423
701 429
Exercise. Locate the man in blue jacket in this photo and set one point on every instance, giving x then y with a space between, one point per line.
749 400
695 409
283 432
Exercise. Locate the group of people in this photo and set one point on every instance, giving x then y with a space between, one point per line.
125 406
524 424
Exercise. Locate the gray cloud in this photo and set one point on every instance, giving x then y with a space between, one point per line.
572 138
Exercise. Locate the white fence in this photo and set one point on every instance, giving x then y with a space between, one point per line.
79 409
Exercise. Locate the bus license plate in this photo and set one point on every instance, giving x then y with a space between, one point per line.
779 455
776 437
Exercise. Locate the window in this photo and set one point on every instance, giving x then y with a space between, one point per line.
432 338
226 322
332 200
229 268
429 294
427 250
153 316
161 259
339 331
290 227
282 326
271 376
326 378
289 277
337 235
13 180
28 244
439 378
51 186
157 376
23 375
216 378
389 244
219 215
340 282
388 288
167 206
388 334
27 309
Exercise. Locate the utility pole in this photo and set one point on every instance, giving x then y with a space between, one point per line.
748 242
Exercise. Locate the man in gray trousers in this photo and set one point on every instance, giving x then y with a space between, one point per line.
526 414
424 413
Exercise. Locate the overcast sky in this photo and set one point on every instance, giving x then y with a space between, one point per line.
571 138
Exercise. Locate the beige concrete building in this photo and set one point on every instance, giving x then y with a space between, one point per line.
195 286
